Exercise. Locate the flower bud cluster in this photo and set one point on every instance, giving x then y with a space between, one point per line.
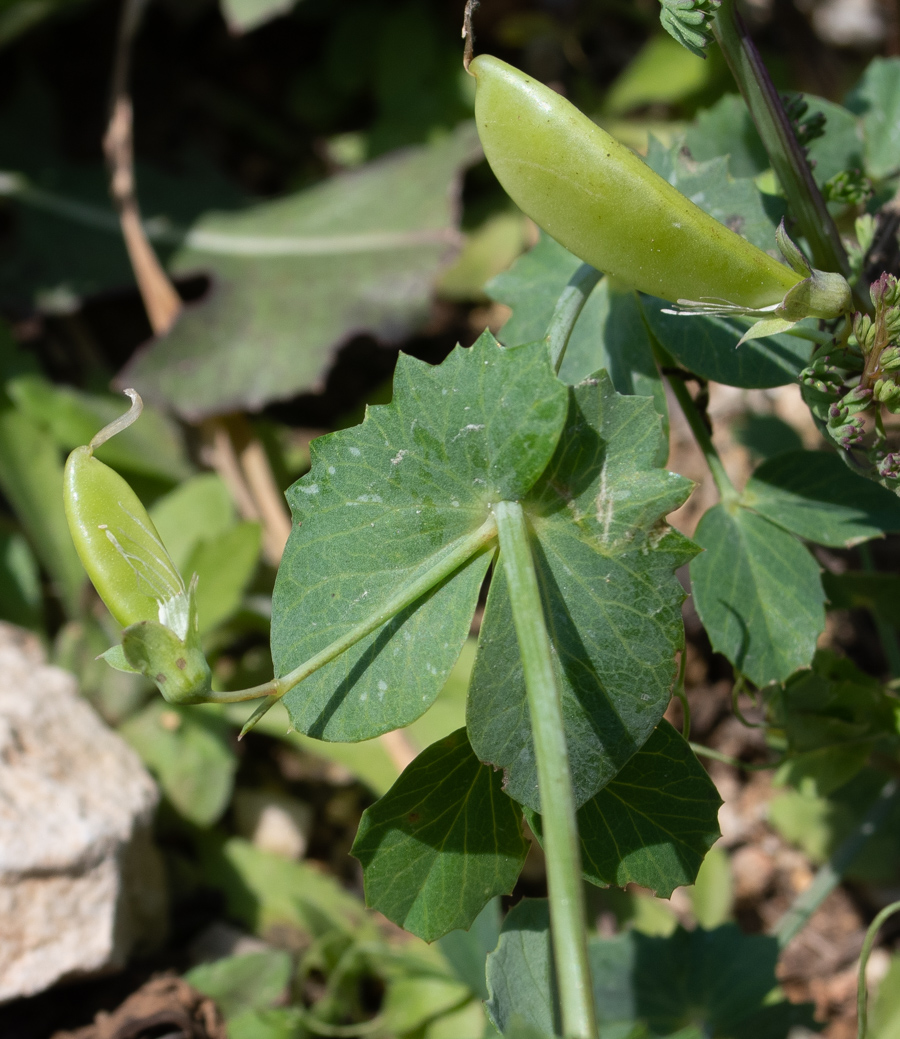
847 188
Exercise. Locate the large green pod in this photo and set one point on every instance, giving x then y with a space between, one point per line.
605 205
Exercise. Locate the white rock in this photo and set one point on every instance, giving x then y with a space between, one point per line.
80 879
273 822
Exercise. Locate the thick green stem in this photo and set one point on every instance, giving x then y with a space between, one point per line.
862 1002
568 308
561 847
788 161
829 876
452 559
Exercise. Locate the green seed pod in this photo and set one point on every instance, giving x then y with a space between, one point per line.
133 573
605 205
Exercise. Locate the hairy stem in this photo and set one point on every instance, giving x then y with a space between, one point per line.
451 560
829 876
788 160
568 308
561 847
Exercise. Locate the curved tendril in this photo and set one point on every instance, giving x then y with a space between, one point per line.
122 422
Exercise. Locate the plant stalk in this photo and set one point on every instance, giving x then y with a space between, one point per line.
829 876
862 1001
568 309
702 434
561 846
452 559
805 201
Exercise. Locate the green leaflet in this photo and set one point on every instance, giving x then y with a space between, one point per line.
441 843
758 592
191 752
814 495
606 564
381 504
653 823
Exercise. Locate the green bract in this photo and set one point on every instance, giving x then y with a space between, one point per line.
600 201
133 573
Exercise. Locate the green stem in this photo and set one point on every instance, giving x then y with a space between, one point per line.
862 1002
453 557
727 491
561 846
805 201
568 308
829 876
886 632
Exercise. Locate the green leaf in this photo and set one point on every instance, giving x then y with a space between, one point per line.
815 496
840 147
31 478
21 598
877 99
719 982
198 509
663 71
267 1024
820 824
520 978
191 753
225 566
712 896
255 981
65 241
707 345
606 562
380 506
879 593
758 593
414 998
654 822
152 447
303 274
609 334
263 890
466 951
833 703
441 843
727 129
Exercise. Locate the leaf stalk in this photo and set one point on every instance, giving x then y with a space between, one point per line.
453 557
568 309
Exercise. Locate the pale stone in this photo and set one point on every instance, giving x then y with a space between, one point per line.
81 882
273 822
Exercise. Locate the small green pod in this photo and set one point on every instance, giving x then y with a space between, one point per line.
600 201
119 545
134 575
